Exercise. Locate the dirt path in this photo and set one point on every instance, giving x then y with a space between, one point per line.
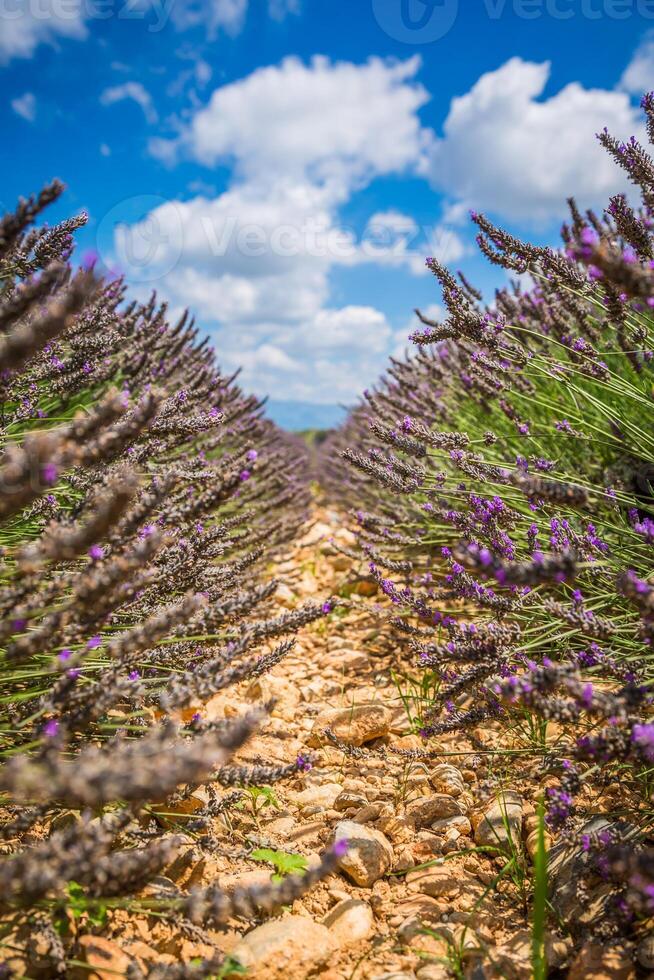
398 813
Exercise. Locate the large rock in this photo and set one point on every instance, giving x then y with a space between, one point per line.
356 725
282 948
350 921
567 865
501 823
369 855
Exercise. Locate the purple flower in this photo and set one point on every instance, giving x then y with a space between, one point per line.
341 847
89 259
251 455
643 737
134 675
49 473
303 764
94 642
244 475
65 655
19 625
326 607
96 551
51 728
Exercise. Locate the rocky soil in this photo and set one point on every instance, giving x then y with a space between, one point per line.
415 896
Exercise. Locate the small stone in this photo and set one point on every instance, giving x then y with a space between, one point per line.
322 796
601 962
369 855
355 726
447 779
501 823
436 881
366 814
284 596
351 661
433 971
105 958
425 810
645 952
280 948
346 800
459 824
350 921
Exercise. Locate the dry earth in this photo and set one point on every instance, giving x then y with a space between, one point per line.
382 916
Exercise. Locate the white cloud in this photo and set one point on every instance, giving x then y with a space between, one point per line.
25 106
215 16
256 260
134 91
26 24
638 76
337 125
279 9
105 150
507 150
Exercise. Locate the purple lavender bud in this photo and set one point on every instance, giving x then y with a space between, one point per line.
244 475
341 847
49 473
89 259
51 728
94 642
643 737
251 455
134 675
65 655
326 607
96 551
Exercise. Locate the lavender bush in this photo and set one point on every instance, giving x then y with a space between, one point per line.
500 481
141 496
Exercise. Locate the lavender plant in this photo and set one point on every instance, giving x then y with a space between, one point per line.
141 496
501 484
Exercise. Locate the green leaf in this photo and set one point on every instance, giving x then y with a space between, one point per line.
283 862
539 914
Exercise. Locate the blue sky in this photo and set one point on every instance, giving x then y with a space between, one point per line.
284 166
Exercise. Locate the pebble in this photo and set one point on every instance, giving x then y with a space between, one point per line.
369 856
350 921
447 779
355 726
422 812
501 822
345 800
292 946
645 953
323 796
459 824
444 880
